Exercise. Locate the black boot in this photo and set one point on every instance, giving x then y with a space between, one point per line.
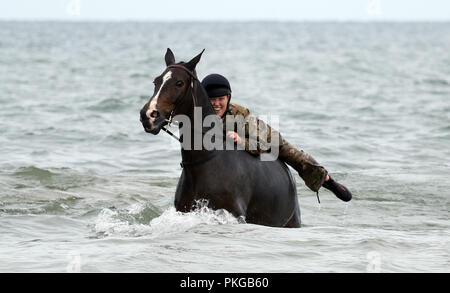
339 190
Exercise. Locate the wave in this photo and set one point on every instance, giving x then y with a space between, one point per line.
41 207
108 105
59 179
138 75
32 172
436 81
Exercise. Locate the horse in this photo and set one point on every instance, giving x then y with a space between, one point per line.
256 191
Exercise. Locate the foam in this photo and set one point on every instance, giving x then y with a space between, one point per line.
122 223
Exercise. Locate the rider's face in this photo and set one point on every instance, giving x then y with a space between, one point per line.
219 104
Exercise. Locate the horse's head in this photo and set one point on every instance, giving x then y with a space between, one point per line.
171 87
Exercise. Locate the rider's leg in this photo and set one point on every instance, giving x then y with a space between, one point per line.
311 172
258 139
307 167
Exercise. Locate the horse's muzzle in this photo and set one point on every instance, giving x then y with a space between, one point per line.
154 124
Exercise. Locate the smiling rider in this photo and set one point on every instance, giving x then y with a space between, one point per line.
314 175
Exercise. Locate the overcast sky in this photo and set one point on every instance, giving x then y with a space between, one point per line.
182 10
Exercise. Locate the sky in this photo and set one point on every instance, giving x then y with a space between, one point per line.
226 10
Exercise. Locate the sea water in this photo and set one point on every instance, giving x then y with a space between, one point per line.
84 188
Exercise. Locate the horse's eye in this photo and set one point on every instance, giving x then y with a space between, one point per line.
179 83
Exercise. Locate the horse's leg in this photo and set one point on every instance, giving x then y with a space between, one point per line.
294 221
184 195
230 202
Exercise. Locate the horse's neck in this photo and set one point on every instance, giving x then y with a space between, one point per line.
201 100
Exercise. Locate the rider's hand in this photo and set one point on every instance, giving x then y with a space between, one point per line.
233 135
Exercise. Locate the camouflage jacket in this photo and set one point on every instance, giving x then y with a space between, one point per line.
257 135
258 139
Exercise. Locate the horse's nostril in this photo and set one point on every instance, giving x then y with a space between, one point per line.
154 114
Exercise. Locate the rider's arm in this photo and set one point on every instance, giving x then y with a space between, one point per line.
257 136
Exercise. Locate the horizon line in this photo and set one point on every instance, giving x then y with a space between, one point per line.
114 20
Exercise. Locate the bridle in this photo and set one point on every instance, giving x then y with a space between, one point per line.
193 78
177 103
169 121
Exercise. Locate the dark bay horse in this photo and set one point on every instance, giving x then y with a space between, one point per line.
262 192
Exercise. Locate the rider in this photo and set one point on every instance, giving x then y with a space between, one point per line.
314 175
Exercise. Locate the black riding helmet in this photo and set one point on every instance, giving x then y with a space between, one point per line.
216 85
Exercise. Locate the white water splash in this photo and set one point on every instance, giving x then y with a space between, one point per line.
108 223
113 223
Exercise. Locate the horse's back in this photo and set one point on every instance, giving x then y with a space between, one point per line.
274 194
264 192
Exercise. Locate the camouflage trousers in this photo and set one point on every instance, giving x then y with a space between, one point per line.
307 167
258 139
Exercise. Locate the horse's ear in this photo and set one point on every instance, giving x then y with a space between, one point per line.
191 64
170 58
